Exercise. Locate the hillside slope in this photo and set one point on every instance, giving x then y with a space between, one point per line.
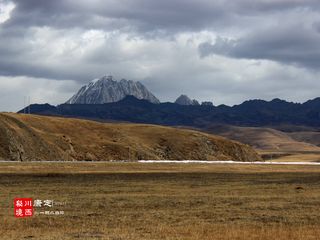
308 136
30 137
263 138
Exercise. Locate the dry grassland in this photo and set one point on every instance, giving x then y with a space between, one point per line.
122 201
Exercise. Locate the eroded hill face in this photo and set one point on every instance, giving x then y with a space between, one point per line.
29 137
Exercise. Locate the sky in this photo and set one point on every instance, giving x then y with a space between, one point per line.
223 51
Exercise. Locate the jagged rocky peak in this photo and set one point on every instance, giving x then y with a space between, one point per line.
185 100
207 103
107 90
195 102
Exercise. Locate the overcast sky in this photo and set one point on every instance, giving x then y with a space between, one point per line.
225 51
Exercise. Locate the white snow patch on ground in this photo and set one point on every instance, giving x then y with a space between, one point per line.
229 162
172 161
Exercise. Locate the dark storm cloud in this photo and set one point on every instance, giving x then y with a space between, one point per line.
294 44
140 15
146 15
160 19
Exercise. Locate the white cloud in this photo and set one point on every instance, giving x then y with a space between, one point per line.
5 10
13 90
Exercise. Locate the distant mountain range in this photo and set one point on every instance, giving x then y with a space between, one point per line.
249 113
106 99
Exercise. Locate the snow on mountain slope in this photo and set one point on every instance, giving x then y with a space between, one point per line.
106 90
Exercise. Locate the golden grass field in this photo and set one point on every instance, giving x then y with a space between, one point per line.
122 201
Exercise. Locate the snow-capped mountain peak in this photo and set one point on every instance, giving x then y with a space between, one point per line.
106 90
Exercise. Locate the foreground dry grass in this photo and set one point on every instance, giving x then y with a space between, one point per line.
163 201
